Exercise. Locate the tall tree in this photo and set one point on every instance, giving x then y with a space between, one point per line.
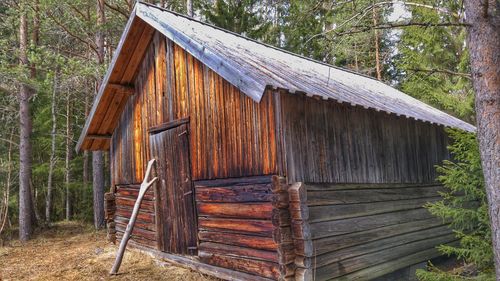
68 158
378 67
483 40
97 156
52 160
25 203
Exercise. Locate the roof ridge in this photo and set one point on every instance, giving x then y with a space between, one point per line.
261 43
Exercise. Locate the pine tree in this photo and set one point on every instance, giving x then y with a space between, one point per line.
239 16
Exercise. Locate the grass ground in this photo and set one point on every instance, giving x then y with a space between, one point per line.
73 251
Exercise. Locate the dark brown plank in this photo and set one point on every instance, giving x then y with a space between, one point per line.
232 194
251 241
260 268
238 251
248 226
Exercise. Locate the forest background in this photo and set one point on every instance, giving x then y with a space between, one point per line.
54 53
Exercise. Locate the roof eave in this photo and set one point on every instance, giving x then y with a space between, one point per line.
105 80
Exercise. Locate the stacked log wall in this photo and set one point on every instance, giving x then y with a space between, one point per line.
144 232
244 225
363 231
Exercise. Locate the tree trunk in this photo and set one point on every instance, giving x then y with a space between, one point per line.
378 68
86 154
67 162
4 211
484 44
25 202
52 163
35 35
189 8
97 164
97 156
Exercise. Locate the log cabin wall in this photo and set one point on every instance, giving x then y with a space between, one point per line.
235 225
330 142
144 232
363 231
367 174
230 134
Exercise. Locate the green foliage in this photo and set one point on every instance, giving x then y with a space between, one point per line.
465 206
240 16
432 63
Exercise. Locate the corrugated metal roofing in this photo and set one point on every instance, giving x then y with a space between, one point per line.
253 66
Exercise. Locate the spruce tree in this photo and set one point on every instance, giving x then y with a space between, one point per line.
464 206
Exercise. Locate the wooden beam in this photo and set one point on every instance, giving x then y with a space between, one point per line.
195 264
99 137
169 125
121 88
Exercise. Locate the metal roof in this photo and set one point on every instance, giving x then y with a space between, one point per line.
247 64
252 66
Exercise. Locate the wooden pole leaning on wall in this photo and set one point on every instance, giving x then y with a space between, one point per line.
130 227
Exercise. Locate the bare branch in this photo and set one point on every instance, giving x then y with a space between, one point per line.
10 142
368 8
360 29
70 33
445 71
77 11
117 9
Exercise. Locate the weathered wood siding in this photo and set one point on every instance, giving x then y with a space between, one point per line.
330 142
145 226
362 231
230 135
235 225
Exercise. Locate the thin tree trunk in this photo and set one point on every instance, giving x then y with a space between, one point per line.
4 214
52 163
189 8
356 60
35 38
378 68
25 202
67 162
484 44
97 156
98 173
86 154
35 35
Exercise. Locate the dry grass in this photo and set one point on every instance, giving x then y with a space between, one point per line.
72 251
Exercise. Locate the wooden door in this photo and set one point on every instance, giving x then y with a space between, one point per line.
175 209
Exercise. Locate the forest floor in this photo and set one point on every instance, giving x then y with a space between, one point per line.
74 251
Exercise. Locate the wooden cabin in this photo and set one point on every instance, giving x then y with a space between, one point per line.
271 166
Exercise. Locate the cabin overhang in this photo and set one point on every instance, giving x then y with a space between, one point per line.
117 85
